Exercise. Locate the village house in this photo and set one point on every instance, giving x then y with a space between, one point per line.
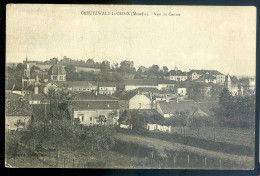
57 73
107 88
27 90
99 112
46 87
251 83
167 85
176 75
168 108
207 79
137 100
17 115
93 109
209 76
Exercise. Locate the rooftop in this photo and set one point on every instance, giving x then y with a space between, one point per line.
13 96
80 83
17 108
95 105
56 69
147 82
107 84
172 106
84 96
131 94
203 72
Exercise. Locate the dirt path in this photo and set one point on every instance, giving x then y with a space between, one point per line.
160 145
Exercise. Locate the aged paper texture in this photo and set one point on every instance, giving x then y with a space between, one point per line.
130 86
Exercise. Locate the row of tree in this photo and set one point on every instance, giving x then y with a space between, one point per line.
235 110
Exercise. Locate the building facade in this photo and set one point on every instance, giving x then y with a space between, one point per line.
57 73
100 112
176 75
107 88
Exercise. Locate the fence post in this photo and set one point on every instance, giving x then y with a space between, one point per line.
49 156
205 161
64 163
188 160
220 163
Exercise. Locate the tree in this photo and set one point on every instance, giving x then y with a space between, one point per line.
127 67
20 67
196 123
112 116
105 66
70 69
165 69
141 70
180 119
154 70
195 91
90 62
125 117
102 119
225 97
58 124
95 139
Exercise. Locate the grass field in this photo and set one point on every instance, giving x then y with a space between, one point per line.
161 146
238 136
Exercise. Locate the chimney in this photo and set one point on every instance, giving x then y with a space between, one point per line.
96 93
177 99
167 100
108 105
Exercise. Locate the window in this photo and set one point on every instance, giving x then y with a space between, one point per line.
61 77
81 117
54 77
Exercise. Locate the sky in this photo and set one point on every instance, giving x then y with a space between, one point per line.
216 38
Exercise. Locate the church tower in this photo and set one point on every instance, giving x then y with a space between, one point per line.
27 69
26 81
228 83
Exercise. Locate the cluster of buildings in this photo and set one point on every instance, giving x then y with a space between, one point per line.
55 79
93 103
207 76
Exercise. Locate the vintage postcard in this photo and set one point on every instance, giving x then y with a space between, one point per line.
130 86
